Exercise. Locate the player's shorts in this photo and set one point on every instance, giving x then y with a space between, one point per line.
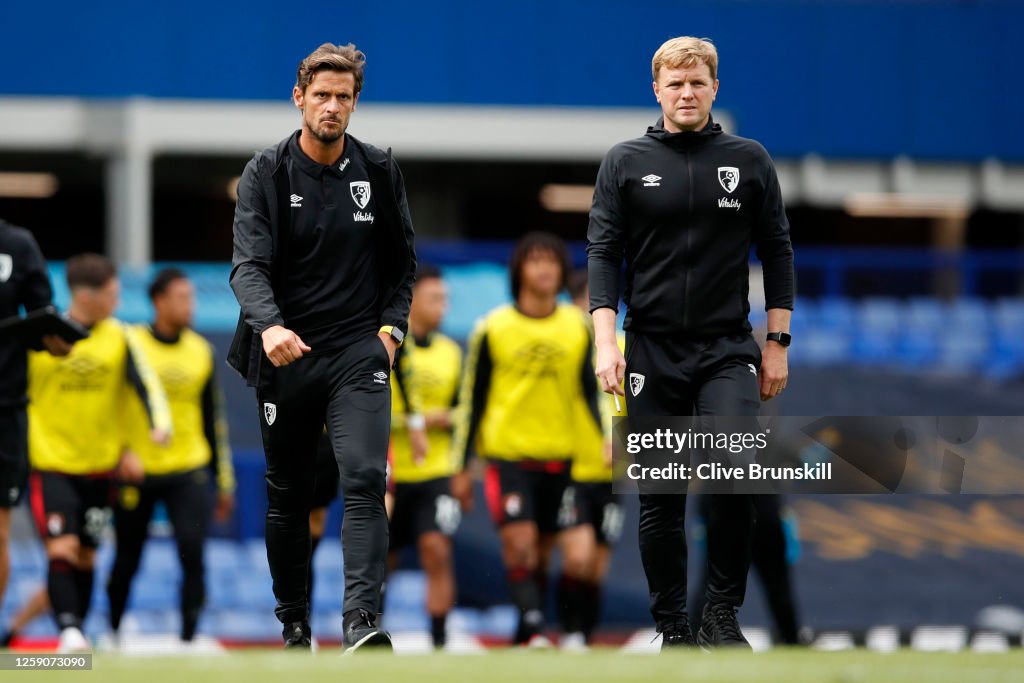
422 507
595 504
72 504
13 456
325 489
526 491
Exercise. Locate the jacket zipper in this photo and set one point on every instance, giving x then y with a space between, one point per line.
689 225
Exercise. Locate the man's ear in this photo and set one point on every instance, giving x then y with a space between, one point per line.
297 98
657 93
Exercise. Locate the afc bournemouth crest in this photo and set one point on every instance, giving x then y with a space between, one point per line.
636 383
360 190
729 177
6 267
270 413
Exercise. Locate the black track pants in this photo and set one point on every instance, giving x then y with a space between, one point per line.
349 391
706 378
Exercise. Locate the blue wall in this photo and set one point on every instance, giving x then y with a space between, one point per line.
849 78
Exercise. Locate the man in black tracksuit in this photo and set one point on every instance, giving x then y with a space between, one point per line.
682 206
24 282
323 269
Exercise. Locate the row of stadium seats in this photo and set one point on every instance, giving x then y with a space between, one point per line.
240 602
963 336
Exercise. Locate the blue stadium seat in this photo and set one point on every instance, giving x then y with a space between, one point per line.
160 559
969 315
924 320
835 314
27 554
819 346
149 593
221 591
879 323
964 351
256 556
255 592
328 556
223 555
327 623
804 314
406 589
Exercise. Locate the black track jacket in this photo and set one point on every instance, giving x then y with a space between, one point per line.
261 228
683 209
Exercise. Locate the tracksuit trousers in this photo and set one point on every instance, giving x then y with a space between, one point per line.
348 390
680 376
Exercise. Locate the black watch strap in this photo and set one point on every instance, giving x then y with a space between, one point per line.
783 338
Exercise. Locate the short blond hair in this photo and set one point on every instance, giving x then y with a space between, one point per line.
686 52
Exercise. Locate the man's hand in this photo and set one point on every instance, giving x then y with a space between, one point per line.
282 346
56 346
774 370
610 368
129 468
419 444
462 489
225 506
391 345
438 419
161 437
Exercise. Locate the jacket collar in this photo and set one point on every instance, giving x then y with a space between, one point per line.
658 132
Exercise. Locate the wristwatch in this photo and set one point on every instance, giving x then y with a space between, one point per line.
783 338
395 333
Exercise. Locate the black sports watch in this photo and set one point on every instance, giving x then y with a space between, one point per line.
783 338
395 333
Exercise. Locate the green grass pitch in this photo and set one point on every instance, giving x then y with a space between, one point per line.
597 666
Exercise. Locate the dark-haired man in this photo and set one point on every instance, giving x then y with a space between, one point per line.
323 268
77 437
682 205
527 368
176 473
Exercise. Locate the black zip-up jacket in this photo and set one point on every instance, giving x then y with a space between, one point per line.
260 229
24 281
683 209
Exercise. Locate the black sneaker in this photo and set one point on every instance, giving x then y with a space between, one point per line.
361 630
296 635
719 628
677 635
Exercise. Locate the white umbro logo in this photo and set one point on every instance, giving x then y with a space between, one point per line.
296 200
753 370
651 180
380 377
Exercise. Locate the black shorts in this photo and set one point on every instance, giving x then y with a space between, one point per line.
325 488
594 504
74 504
526 491
422 507
13 456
